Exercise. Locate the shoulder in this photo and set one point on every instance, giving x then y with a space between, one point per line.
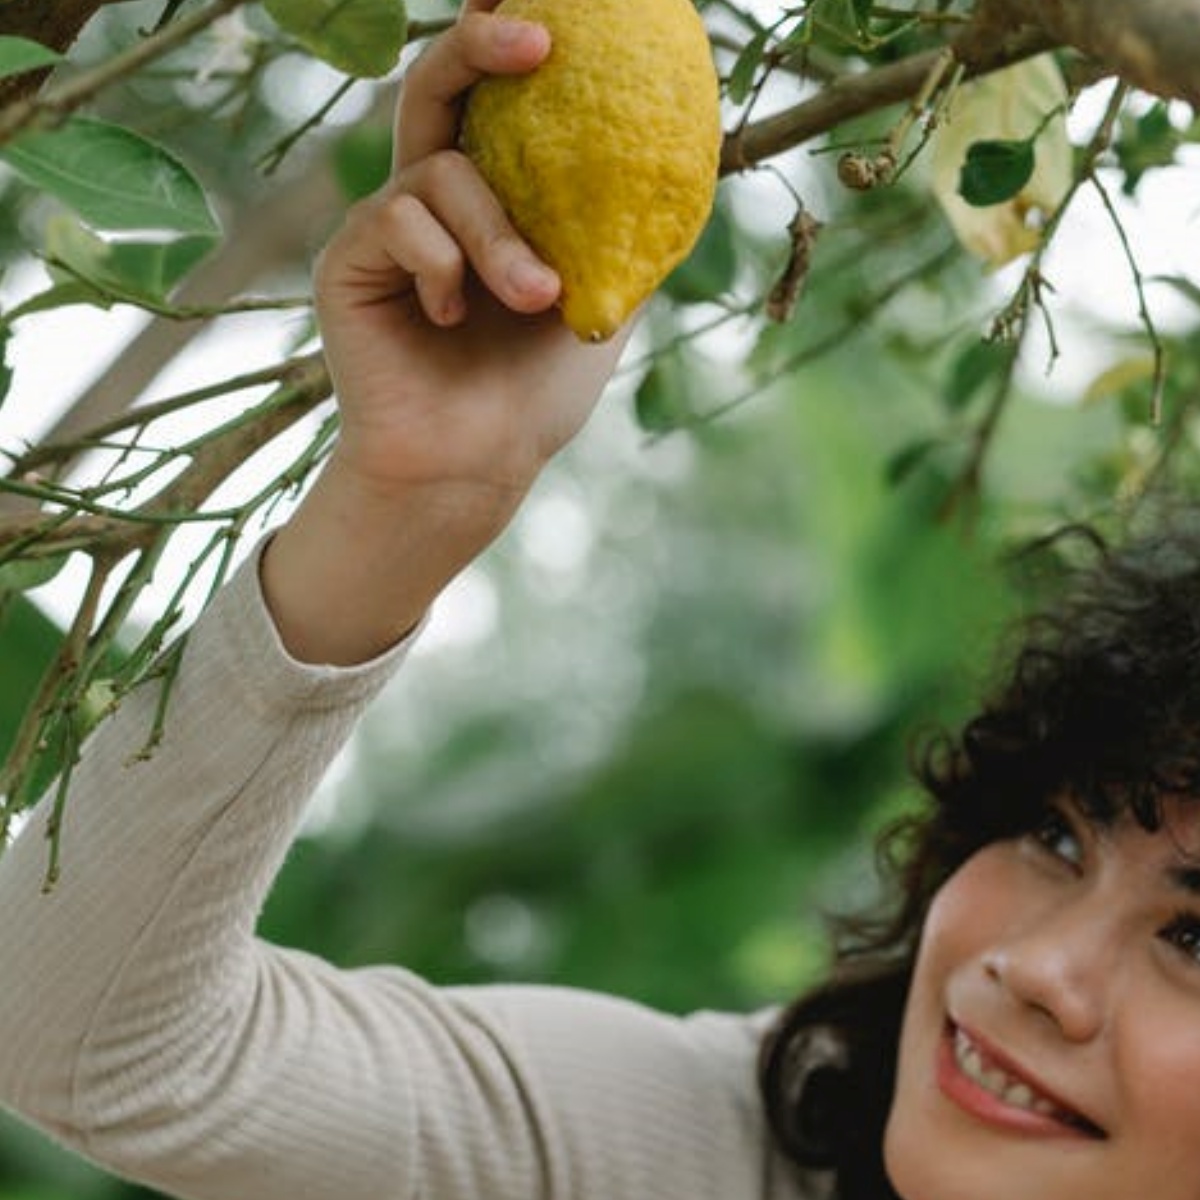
677 1094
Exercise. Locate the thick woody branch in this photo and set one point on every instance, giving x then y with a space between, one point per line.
856 95
1152 44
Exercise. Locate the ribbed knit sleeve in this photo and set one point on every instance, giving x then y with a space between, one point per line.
145 1025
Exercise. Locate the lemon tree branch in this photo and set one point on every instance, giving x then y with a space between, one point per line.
56 102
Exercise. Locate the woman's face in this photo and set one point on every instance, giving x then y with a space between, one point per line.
1051 1043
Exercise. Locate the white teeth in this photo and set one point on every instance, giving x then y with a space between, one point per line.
996 1081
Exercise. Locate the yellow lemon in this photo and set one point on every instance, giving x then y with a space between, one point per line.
604 157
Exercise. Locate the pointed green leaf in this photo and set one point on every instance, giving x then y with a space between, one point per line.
745 67
1183 285
131 270
980 362
360 37
61 294
22 575
18 55
995 171
28 639
661 402
6 374
362 159
1146 142
113 178
839 21
908 458
862 13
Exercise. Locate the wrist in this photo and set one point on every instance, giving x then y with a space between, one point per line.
359 564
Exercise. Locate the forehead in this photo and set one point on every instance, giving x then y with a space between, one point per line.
1171 843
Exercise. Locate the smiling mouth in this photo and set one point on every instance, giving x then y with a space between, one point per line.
982 1069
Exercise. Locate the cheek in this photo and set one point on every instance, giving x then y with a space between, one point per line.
967 910
1157 1066
957 930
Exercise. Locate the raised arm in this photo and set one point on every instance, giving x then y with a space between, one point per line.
141 1020
456 379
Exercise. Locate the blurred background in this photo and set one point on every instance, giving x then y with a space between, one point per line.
646 743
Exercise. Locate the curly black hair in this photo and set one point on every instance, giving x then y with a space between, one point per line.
1099 700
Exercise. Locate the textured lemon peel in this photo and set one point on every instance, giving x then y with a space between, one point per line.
605 157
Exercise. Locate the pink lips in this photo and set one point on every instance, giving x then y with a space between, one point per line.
1050 1118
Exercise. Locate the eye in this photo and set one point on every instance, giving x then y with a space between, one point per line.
1057 836
1183 933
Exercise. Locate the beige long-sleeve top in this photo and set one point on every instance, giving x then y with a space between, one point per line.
144 1024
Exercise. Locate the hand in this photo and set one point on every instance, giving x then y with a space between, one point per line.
448 358
455 377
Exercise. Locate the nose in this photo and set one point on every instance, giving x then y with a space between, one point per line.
1060 967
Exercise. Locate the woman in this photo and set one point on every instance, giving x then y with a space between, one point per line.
1051 1018
1027 1017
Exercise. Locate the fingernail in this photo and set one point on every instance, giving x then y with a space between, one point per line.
453 310
526 275
511 32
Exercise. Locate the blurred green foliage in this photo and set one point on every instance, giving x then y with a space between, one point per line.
650 739
789 618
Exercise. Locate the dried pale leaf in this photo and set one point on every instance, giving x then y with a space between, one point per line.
1009 105
1127 373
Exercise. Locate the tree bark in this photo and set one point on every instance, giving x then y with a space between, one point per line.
55 24
1152 44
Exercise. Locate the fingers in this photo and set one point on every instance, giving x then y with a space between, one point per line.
430 256
437 220
478 44
461 224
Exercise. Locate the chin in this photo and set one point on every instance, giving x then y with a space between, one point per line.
920 1166
900 1163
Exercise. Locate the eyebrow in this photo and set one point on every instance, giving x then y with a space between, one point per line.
1186 879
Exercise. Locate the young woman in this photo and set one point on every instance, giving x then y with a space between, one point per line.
1028 1017
1029 1023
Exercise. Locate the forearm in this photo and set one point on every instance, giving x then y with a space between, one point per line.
357 568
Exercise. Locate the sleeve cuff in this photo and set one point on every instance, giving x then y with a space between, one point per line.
239 624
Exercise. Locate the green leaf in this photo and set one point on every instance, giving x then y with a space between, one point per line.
129 270
113 178
976 365
1147 142
745 67
862 13
22 575
61 294
360 37
710 269
1129 374
28 639
841 21
908 458
662 402
18 55
361 159
995 171
1183 285
6 374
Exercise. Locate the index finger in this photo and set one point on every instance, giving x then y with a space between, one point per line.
479 43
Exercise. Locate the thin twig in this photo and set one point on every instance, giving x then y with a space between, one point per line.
145 414
56 103
1159 378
